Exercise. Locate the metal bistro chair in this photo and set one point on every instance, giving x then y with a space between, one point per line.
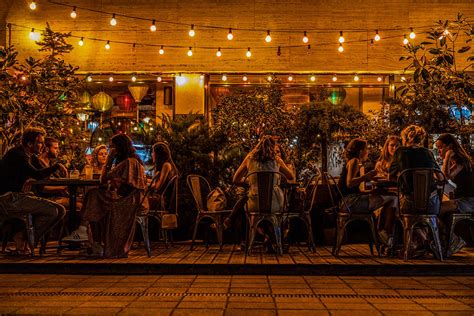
265 184
169 205
6 227
200 188
304 214
345 217
420 182
454 219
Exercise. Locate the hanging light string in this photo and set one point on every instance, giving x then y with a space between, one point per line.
213 48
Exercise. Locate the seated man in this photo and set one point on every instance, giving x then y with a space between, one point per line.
16 170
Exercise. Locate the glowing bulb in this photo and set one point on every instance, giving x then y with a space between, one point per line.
191 31
412 33
190 52
32 5
219 53
356 78
153 26
151 128
341 37
35 36
269 78
134 78
249 53
377 36
162 50
81 41
305 38
107 45
89 79
111 78
379 79
312 78
244 78
445 32
23 78
290 78
334 78
73 13
403 78
405 40
230 36
99 139
224 78
135 128
340 49
113 21
201 77
268 38
159 79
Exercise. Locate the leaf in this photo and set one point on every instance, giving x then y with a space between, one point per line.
464 49
426 43
442 41
435 51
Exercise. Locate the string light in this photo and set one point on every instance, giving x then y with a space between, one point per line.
249 53
202 77
341 37
244 78
230 36
356 78
111 79
162 50
224 78
403 78
412 33
269 78
219 53
312 78
305 38
334 78
268 38
89 78
35 36
134 78
340 49
290 78
191 31
190 51
107 45
81 42
32 5
405 39
377 36
153 26
159 79
73 13
379 79
23 78
113 21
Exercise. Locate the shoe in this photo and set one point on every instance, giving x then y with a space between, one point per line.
385 238
456 245
79 235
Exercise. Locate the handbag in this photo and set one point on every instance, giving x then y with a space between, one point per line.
216 200
169 221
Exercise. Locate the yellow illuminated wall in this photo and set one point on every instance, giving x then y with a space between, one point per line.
189 95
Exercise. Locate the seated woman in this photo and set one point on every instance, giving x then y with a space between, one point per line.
357 201
117 205
99 158
164 169
457 167
386 156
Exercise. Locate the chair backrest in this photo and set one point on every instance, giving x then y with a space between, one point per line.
311 190
266 180
169 197
337 198
200 189
419 184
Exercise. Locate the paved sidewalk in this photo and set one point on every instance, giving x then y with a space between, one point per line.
236 295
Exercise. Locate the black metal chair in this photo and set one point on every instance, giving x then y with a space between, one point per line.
200 189
454 219
266 182
345 217
416 186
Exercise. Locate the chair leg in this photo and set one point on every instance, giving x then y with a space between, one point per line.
277 230
309 228
6 234
252 232
434 230
450 236
143 221
340 232
198 219
407 233
374 236
30 234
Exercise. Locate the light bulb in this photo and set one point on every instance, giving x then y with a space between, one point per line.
244 78
191 31
290 78
403 78
111 78
35 36
190 52
23 78
340 49
153 26
73 13
113 21
81 41
377 36
249 53
269 78
162 50
99 139
405 40
89 79
412 33
32 5
312 78
134 78
356 78
219 53
446 32
107 45
230 36
159 79
334 78
268 38
341 37
224 78
379 79
201 77
305 38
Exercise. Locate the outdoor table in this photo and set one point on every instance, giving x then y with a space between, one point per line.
72 185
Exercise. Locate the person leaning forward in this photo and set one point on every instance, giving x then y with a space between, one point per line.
16 170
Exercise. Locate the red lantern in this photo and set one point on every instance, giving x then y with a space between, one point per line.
125 102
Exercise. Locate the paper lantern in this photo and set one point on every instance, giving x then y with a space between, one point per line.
102 102
336 95
82 116
125 102
86 99
138 91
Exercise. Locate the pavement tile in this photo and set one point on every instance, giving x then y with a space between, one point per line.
334 291
250 299
291 291
251 305
323 279
95 311
146 311
399 307
376 292
211 285
453 313
42 310
160 283
152 304
329 286
289 286
246 285
350 306
191 298
153 298
203 304
213 290
204 312
448 307
343 300
292 305
247 312
293 312
457 292
42 290
419 293
339 312
95 303
408 313
437 300
250 291
8 310
166 290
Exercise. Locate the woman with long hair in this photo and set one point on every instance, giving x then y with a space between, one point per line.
382 165
114 207
99 158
